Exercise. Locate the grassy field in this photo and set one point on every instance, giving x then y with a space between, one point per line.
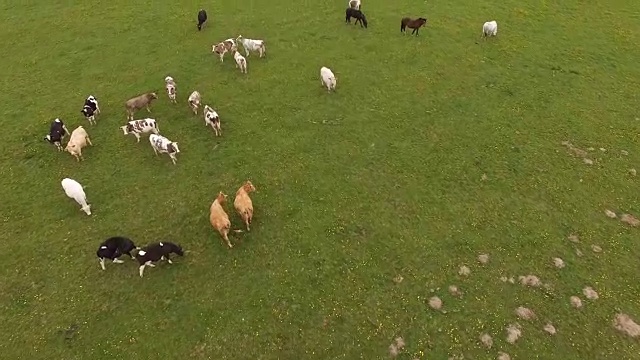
383 178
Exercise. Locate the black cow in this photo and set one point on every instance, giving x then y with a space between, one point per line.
357 14
202 18
57 132
113 248
155 252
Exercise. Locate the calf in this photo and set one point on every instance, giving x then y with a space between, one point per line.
57 132
74 190
155 252
134 104
89 114
252 45
137 127
354 4
92 102
78 140
490 28
113 248
194 101
357 14
327 79
211 118
161 144
224 47
241 62
243 203
171 88
219 218
202 18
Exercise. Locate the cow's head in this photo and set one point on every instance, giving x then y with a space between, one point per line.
86 209
47 138
126 129
174 146
177 249
221 198
153 95
168 79
248 187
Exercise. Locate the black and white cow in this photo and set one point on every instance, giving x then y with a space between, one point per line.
57 132
137 127
90 109
161 145
155 252
113 248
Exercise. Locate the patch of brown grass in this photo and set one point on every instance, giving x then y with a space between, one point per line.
454 291
550 329
503 356
610 214
596 248
559 263
464 270
483 258
573 238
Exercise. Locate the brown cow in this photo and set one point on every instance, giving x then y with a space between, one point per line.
243 203
219 218
222 48
138 102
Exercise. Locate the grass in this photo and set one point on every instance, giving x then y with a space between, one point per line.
381 178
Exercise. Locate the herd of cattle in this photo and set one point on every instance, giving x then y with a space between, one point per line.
115 247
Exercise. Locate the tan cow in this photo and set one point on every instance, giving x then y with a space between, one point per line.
134 104
219 218
79 139
243 203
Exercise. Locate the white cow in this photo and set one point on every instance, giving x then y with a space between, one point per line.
241 62
194 101
161 144
328 79
211 118
79 139
490 28
252 45
137 127
171 88
74 190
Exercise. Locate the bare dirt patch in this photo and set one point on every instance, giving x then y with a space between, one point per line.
483 258
573 238
610 214
454 291
503 356
530 280
596 248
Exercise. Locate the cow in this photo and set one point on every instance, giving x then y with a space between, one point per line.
327 79
170 85
202 18
113 248
74 190
194 101
243 203
161 144
134 104
252 45
92 102
78 140
143 126
57 132
490 28
211 118
358 15
155 252
241 62
224 47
